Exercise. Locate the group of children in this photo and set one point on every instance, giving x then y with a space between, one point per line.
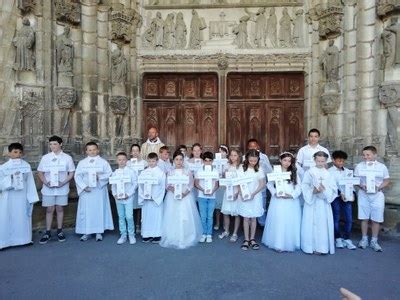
307 198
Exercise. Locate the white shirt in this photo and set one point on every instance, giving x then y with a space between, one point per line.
377 166
307 152
338 174
62 159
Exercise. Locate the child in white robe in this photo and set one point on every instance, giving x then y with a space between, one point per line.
250 205
18 194
94 211
164 162
319 190
124 201
283 224
230 206
219 196
152 203
181 221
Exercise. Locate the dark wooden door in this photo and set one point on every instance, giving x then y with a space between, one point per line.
184 107
268 107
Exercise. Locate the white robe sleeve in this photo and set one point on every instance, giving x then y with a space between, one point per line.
330 192
103 177
271 187
5 182
79 178
307 187
31 191
297 188
158 191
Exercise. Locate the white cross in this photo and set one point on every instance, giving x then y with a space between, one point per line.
54 170
119 179
229 182
348 181
15 171
147 179
370 174
92 170
136 165
243 183
178 180
208 175
279 177
219 163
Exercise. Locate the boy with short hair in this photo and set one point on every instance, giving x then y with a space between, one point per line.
94 210
56 169
18 194
341 204
127 177
374 177
164 162
151 195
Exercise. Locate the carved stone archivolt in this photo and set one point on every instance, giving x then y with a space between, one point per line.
65 97
124 23
119 105
27 6
68 11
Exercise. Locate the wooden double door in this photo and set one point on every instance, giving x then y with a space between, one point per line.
187 108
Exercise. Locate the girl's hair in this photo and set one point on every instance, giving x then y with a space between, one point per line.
224 147
196 145
177 153
238 153
135 145
292 168
251 153
320 154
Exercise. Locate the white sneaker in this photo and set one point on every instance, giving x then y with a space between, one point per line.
339 243
223 235
84 238
374 245
363 243
132 239
349 244
209 239
203 238
99 237
121 240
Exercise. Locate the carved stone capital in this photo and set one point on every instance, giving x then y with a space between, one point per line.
389 94
386 8
330 22
119 104
65 97
27 6
222 62
68 11
31 101
330 102
124 23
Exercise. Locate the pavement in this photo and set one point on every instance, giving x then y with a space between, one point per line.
221 270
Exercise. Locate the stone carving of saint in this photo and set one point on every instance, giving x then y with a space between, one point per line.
391 44
240 30
272 29
65 52
24 41
285 30
196 25
157 25
119 67
298 36
260 30
169 32
180 31
330 63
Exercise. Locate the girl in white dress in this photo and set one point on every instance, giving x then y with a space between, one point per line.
181 221
229 206
250 204
224 150
282 228
195 163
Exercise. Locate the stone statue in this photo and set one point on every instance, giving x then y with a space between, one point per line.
119 67
272 29
24 41
169 32
157 25
241 33
285 30
65 52
197 24
298 35
391 44
180 31
330 63
261 23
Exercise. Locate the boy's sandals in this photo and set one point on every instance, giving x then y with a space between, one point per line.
254 245
245 245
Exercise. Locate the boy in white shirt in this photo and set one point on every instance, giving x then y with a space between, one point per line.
164 161
55 170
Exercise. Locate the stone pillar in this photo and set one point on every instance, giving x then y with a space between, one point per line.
222 101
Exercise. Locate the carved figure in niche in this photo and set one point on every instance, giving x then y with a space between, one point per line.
240 30
261 22
391 44
65 52
24 41
196 26
330 62
285 30
180 31
119 67
298 35
272 29
157 25
169 32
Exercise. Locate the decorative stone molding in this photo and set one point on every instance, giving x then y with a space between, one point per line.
26 6
222 62
119 104
386 8
65 97
330 20
330 102
124 23
68 11
389 94
31 102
